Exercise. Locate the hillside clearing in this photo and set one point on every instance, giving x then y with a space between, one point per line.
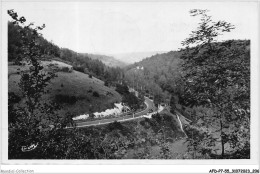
72 84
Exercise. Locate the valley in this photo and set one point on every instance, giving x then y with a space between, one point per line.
188 103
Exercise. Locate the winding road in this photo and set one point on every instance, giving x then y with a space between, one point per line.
149 105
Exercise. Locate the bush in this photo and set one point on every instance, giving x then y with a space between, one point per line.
13 98
79 68
53 67
145 123
95 94
122 89
131 100
66 69
106 83
91 116
117 126
86 71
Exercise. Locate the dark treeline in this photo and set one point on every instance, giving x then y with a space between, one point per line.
15 42
80 62
84 64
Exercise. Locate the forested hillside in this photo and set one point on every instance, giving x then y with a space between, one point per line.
198 84
162 69
162 74
86 63
208 82
46 48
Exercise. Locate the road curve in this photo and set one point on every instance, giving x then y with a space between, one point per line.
149 105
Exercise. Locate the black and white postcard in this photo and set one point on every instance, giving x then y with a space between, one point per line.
130 83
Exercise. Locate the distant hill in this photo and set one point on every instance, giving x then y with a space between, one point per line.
107 60
159 61
133 57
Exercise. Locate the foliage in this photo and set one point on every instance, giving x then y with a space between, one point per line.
59 98
132 101
85 64
218 77
118 126
12 100
198 147
79 68
32 121
15 43
163 123
65 69
129 98
106 83
122 89
160 76
208 30
95 94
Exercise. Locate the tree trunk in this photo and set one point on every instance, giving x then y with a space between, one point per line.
222 141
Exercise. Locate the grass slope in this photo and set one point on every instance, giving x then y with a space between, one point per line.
74 83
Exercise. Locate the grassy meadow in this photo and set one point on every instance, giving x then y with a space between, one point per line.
76 92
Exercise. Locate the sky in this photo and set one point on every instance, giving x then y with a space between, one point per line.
123 27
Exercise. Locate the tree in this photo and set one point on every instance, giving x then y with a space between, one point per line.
122 89
15 50
34 119
132 101
158 99
96 94
14 42
106 83
218 78
208 31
